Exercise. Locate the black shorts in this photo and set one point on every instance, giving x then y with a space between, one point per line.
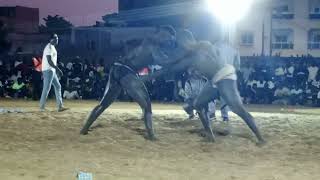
119 71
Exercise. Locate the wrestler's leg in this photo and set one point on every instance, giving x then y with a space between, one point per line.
201 105
138 92
229 92
112 91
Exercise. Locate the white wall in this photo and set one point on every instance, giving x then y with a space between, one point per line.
253 22
300 25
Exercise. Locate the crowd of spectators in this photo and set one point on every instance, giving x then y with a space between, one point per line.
82 79
282 81
279 81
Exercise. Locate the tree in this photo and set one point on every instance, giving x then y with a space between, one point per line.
5 45
55 24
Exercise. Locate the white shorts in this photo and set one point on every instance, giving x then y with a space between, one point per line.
227 72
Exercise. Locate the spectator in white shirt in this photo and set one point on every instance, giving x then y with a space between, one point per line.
279 71
251 82
246 72
281 95
313 71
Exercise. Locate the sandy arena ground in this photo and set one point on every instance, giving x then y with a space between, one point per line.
47 145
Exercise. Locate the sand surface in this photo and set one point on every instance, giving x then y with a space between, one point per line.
47 145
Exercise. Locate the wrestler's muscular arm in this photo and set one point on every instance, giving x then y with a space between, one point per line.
181 65
174 63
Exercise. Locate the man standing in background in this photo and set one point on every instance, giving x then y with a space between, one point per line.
50 72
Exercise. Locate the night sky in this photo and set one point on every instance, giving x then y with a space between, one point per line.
79 12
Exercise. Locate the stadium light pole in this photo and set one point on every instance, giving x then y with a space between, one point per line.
266 7
272 7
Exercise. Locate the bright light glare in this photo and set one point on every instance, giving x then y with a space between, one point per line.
229 11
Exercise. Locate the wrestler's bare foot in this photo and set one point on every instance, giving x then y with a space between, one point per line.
84 131
224 128
209 137
151 137
261 143
61 109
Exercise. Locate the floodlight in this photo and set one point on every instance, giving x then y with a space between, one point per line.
228 11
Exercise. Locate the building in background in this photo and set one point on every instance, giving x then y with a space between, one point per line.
23 26
108 42
285 27
125 5
181 14
20 19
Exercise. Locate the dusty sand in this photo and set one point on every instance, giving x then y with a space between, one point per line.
47 145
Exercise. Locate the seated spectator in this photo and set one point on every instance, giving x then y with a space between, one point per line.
308 95
14 76
251 81
301 75
76 80
279 71
77 66
71 91
69 68
264 70
85 65
71 94
296 96
313 71
17 62
316 83
19 89
252 94
281 95
88 84
290 72
8 88
269 89
100 69
314 86
261 94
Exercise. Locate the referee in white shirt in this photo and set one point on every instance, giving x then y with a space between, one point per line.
50 72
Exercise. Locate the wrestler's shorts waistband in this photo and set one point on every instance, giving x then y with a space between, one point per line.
227 72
